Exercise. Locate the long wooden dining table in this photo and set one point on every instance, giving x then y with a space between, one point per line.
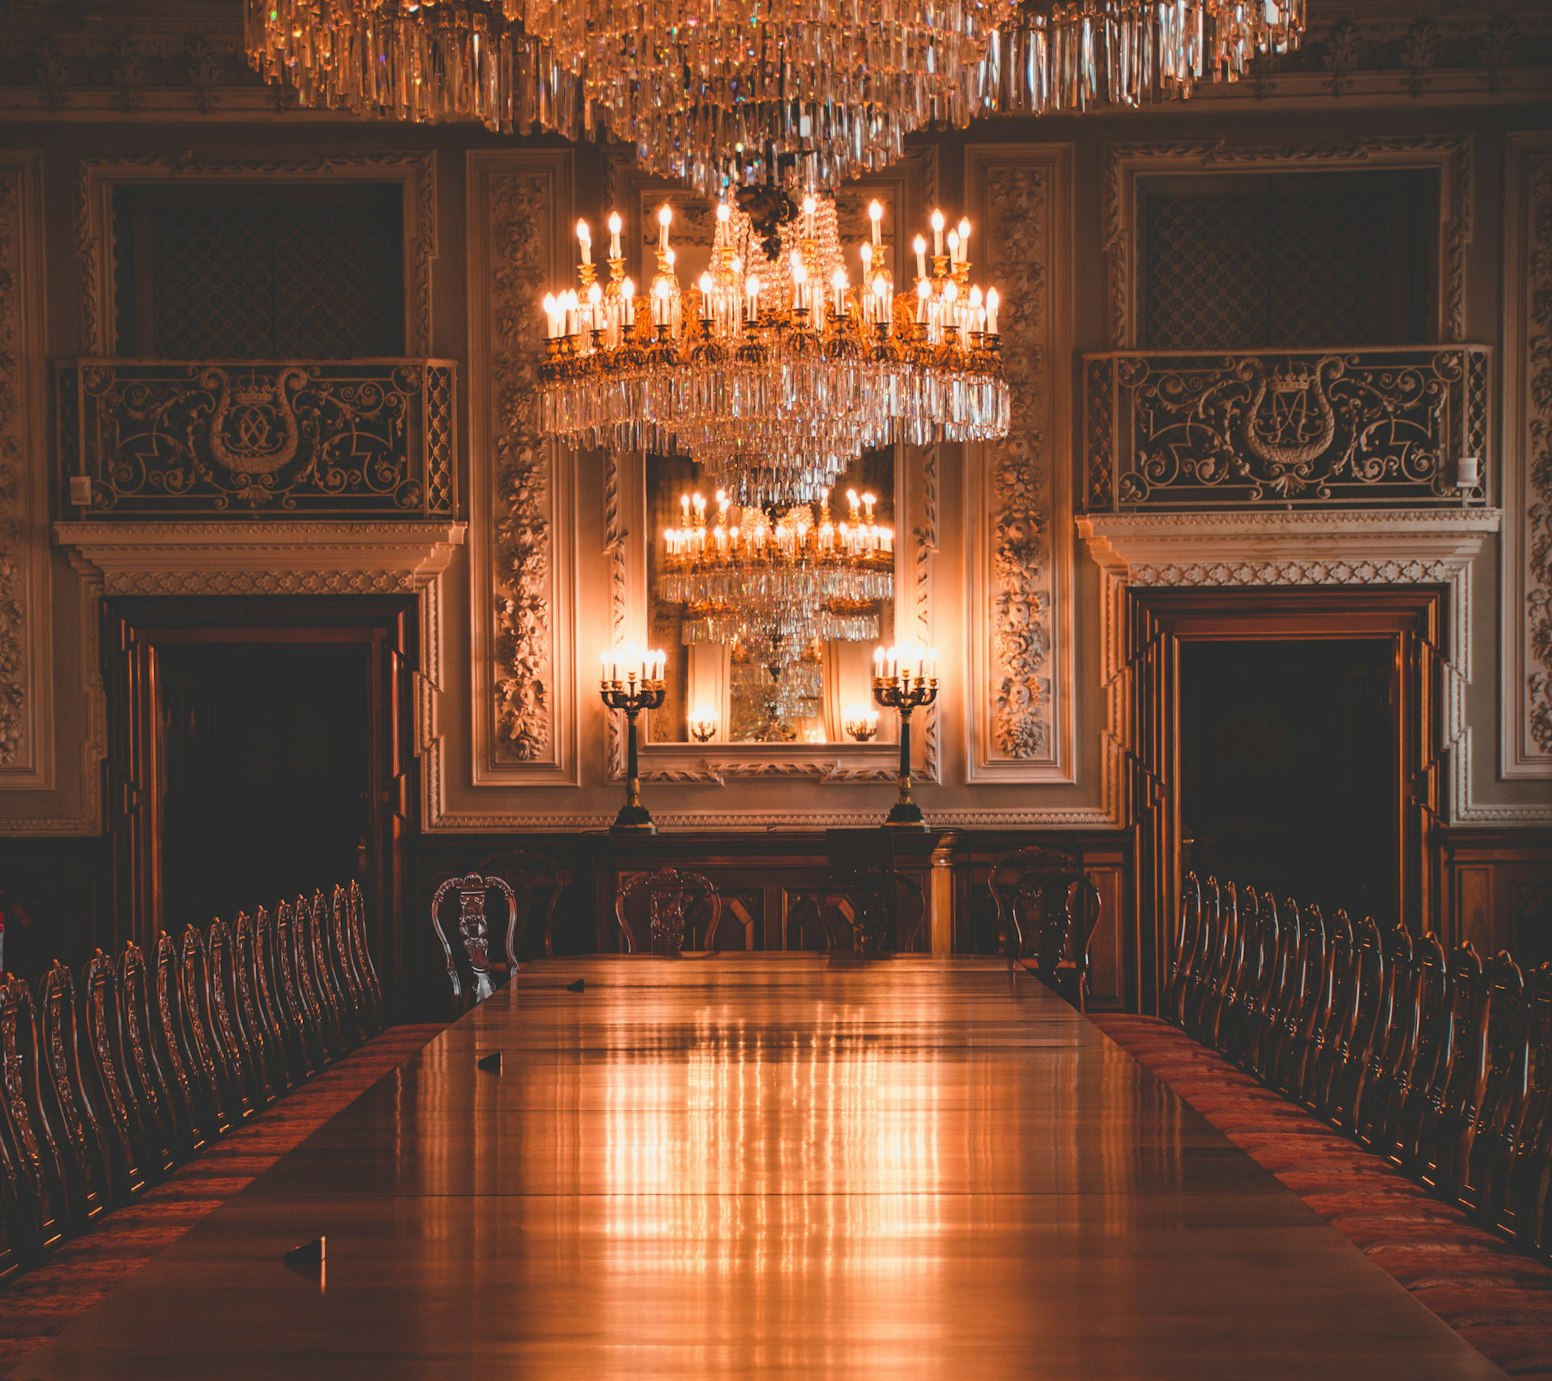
768 1164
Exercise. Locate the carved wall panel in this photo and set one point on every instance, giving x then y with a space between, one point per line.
26 747
1020 711
1526 749
1348 428
1125 163
521 486
301 439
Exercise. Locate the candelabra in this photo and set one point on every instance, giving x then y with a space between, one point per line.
861 724
905 679
633 682
703 726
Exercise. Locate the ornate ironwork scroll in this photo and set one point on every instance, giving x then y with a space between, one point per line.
303 439
1344 428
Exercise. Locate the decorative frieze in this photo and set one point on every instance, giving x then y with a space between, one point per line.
285 440
1207 429
1527 571
1020 687
520 500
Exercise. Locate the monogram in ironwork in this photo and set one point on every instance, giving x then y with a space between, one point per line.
1199 430
299 439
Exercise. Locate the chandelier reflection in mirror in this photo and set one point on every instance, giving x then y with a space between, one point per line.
774 372
839 84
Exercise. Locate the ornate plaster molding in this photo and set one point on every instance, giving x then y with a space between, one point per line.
1020 688
522 610
26 719
98 175
1525 748
1368 547
1125 163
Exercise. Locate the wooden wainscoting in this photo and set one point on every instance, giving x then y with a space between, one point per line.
1498 886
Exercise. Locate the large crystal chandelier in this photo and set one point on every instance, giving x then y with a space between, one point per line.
773 372
740 88
776 582
730 91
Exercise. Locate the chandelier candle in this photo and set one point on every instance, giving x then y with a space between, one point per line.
633 681
905 679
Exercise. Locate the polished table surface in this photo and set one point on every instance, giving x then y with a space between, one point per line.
770 1164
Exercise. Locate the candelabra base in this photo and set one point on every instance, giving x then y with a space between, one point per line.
633 820
906 815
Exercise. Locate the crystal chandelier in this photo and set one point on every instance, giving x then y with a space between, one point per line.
754 85
773 372
776 583
1069 55
720 94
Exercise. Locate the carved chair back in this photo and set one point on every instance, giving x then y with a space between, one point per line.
1422 1094
121 1119
1245 978
83 1148
1047 907
21 1219
1378 1117
312 924
1186 935
355 911
1218 994
1462 1077
42 1167
256 1009
1008 874
295 988
1204 959
347 982
216 1093
536 882
1494 1121
1529 1202
231 1040
470 978
1369 1006
665 908
1335 1014
1304 995
866 911
191 1085
1262 1021
164 1117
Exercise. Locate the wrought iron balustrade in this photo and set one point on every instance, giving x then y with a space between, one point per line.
1344 428
156 438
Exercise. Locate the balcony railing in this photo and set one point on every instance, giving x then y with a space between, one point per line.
302 439
1344 428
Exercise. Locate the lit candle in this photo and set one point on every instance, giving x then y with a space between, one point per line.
664 216
551 325
991 311
953 247
876 215
838 282
921 256
878 664
937 232
752 291
614 234
585 239
705 286
809 205
964 240
628 302
660 308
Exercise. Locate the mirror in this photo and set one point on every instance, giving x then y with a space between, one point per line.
769 617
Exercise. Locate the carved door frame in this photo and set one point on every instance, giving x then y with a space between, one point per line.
1159 620
135 630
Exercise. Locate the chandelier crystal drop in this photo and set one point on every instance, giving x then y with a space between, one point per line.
774 372
745 86
778 580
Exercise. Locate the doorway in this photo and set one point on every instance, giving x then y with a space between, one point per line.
258 750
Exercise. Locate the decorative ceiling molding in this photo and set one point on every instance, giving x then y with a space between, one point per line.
1369 547
1125 163
1525 749
98 175
1020 693
522 558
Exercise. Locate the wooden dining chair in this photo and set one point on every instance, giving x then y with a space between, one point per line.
1444 1152
1205 958
21 1218
1420 1094
42 1167
294 986
1306 958
312 926
1528 1206
217 1091
77 1131
1047 908
337 959
1232 1028
231 1042
1265 1020
132 1161
536 883
192 1085
1364 1026
1495 1119
355 911
1334 1017
666 908
471 978
1187 932
266 1068
163 1116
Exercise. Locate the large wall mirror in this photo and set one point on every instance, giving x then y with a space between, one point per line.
769 617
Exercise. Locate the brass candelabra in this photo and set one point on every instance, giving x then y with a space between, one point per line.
633 682
905 679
